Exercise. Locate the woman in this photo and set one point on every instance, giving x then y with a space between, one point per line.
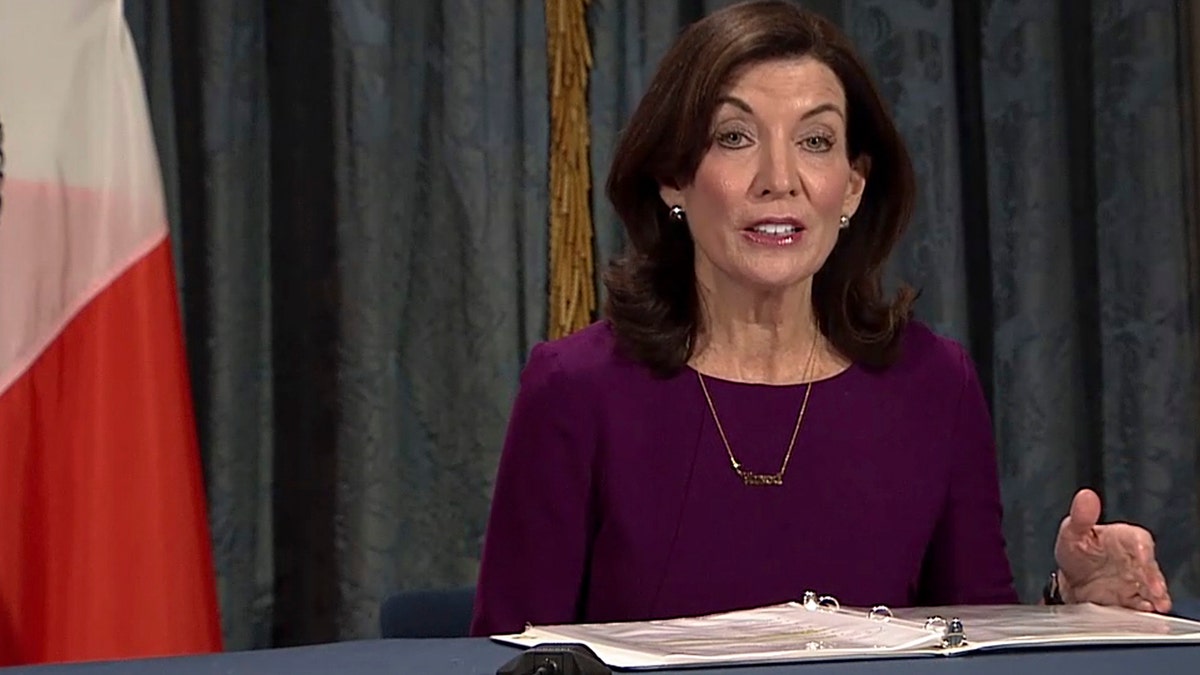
754 417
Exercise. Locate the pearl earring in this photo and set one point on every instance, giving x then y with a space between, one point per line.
844 221
676 213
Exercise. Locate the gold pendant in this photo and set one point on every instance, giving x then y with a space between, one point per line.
751 478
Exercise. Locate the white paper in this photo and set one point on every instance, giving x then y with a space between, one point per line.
776 633
793 632
1012 625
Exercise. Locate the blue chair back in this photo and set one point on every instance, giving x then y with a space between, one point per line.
431 613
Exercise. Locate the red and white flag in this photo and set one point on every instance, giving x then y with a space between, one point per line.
104 542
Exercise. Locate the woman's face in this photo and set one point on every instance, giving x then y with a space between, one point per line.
765 205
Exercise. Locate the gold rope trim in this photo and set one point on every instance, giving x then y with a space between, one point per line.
572 293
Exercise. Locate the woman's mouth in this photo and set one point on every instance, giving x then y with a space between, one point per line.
773 233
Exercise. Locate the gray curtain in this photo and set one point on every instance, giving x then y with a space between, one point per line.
358 202
441 144
359 199
1095 355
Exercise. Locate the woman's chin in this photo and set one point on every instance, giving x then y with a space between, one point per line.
775 280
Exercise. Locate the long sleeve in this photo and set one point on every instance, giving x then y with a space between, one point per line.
967 562
536 546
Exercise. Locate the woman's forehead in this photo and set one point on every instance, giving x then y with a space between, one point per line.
801 83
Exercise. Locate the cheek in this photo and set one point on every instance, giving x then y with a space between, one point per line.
713 192
828 193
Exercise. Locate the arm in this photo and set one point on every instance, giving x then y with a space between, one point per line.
966 562
536 547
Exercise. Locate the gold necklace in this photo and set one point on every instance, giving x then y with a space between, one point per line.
750 477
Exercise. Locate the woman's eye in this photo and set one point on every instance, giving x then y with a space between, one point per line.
732 139
817 143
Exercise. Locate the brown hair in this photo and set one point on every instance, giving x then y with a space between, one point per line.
652 302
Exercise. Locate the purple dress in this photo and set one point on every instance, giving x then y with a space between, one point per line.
615 499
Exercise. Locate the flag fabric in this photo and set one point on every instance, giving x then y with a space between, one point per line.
105 550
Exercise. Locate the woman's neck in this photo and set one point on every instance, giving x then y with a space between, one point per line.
761 336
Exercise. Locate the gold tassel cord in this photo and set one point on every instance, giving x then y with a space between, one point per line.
572 293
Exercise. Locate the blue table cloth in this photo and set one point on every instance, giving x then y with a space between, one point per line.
479 656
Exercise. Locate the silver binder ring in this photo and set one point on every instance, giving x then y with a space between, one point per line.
955 635
879 613
936 623
812 602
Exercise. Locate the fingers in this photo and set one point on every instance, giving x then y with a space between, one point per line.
1135 541
1155 589
1162 604
1151 593
1141 605
1114 564
1077 533
1085 512
1147 600
1153 586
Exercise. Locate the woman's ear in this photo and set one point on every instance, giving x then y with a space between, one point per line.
671 196
860 169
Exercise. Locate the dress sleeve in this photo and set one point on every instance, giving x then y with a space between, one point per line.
537 541
966 562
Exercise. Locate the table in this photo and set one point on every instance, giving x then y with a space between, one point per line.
480 656
477 656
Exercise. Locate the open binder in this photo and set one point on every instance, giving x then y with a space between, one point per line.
819 628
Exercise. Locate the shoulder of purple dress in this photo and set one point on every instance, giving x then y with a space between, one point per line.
927 355
591 354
